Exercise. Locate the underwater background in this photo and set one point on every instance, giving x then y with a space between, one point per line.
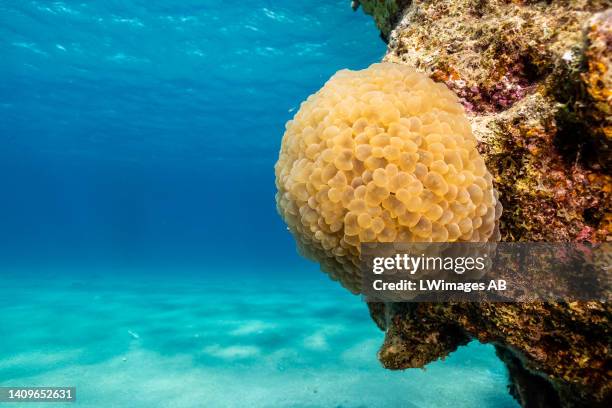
141 256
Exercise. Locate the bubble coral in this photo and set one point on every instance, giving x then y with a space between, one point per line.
384 154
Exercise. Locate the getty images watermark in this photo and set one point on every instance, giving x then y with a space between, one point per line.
485 272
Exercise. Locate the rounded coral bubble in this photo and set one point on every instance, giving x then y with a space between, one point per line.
384 154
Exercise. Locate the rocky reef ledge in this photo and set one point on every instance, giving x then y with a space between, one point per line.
536 80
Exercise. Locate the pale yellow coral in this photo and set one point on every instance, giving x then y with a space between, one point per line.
381 155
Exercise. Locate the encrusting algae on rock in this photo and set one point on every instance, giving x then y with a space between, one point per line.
535 80
384 154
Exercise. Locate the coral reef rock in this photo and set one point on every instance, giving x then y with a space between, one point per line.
535 78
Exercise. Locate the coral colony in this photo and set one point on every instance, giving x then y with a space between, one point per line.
384 154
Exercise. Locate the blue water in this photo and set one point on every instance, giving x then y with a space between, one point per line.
141 256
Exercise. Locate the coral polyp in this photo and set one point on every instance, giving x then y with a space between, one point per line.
384 154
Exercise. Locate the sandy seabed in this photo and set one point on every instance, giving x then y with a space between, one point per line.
184 340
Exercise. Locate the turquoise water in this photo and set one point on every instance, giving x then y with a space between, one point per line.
141 256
